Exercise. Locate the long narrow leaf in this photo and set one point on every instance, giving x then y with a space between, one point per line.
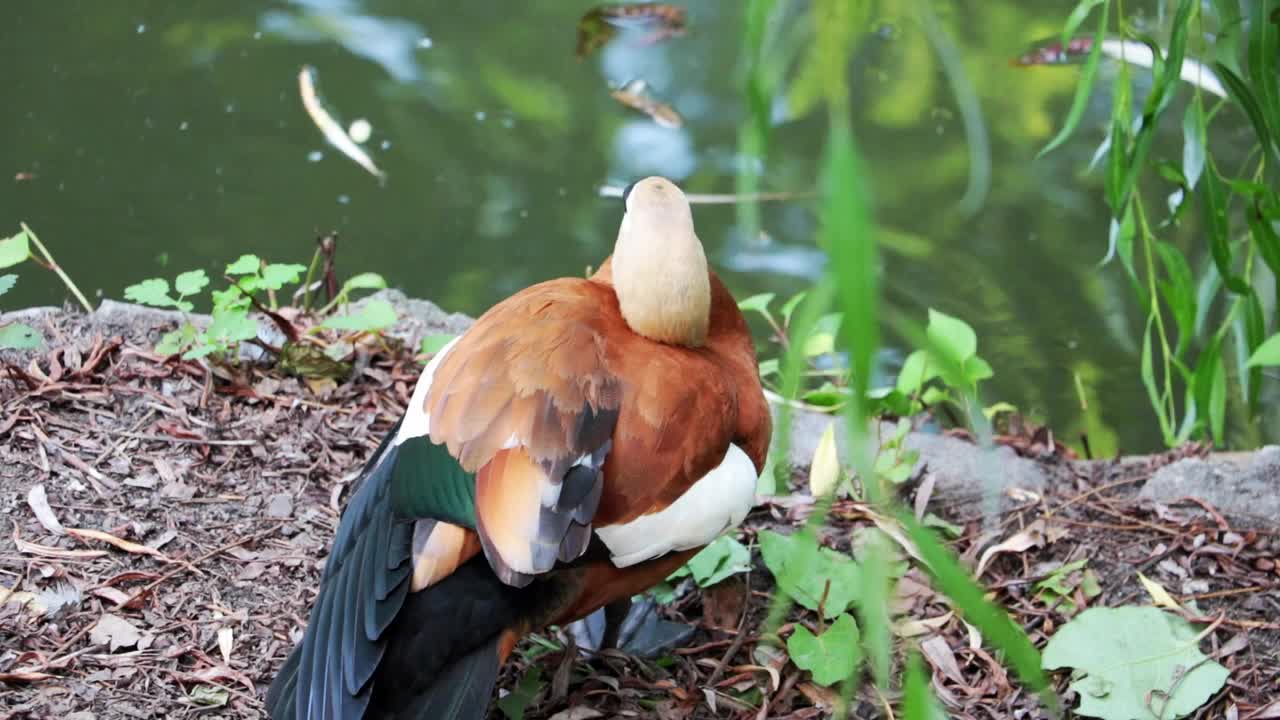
1087 74
1243 95
1213 195
989 618
1264 45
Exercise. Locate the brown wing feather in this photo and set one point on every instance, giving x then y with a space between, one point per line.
554 374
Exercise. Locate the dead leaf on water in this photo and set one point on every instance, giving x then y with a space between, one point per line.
635 95
599 25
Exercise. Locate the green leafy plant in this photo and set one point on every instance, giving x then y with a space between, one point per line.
927 380
1058 590
1134 662
253 284
831 656
1203 329
811 575
15 336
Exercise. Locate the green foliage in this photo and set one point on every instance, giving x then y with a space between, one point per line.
1057 591
1198 329
1268 353
16 336
1083 90
832 656
720 560
1134 662
811 575
434 343
231 324
517 702
14 249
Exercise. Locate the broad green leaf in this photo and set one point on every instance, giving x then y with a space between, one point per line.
244 265
190 282
832 656
975 369
721 559
152 291
1267 354
173 341
435 342
916 371
7 282
16 336
230 327
1128 660
277 275
757 303
803 570
1087 74
952 336
374 315
819 344
364 281
14 250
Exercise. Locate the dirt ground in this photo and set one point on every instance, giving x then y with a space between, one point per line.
185 516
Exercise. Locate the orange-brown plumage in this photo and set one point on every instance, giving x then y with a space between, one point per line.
587 434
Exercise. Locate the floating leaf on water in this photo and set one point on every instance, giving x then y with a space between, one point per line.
635 95
598 26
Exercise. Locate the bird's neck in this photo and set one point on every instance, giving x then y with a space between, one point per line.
662 283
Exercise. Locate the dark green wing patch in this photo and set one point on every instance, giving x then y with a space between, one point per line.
429 483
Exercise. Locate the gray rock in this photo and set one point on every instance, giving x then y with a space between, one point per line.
965 472
280 505
1245 485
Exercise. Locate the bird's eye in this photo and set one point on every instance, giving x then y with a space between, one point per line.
626 193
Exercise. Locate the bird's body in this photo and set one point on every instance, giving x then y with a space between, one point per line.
574 447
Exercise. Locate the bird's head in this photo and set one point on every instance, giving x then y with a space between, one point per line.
659 267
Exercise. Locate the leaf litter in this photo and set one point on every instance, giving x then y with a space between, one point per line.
180 581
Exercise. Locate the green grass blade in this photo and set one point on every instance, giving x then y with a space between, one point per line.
967 595
1087 75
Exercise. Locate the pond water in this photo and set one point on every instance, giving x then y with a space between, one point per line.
155 137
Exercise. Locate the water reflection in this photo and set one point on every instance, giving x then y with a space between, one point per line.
495 139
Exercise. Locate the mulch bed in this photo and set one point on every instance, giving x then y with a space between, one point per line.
210 497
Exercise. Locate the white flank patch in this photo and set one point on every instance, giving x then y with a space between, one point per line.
416 422
717 502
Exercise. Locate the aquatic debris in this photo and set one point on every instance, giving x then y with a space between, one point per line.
332 131
360 130
1130 51
616 191
635 95
601 23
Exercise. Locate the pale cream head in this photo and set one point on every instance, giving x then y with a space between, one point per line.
659 267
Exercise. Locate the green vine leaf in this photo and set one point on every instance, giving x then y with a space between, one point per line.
832 656
1134 663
